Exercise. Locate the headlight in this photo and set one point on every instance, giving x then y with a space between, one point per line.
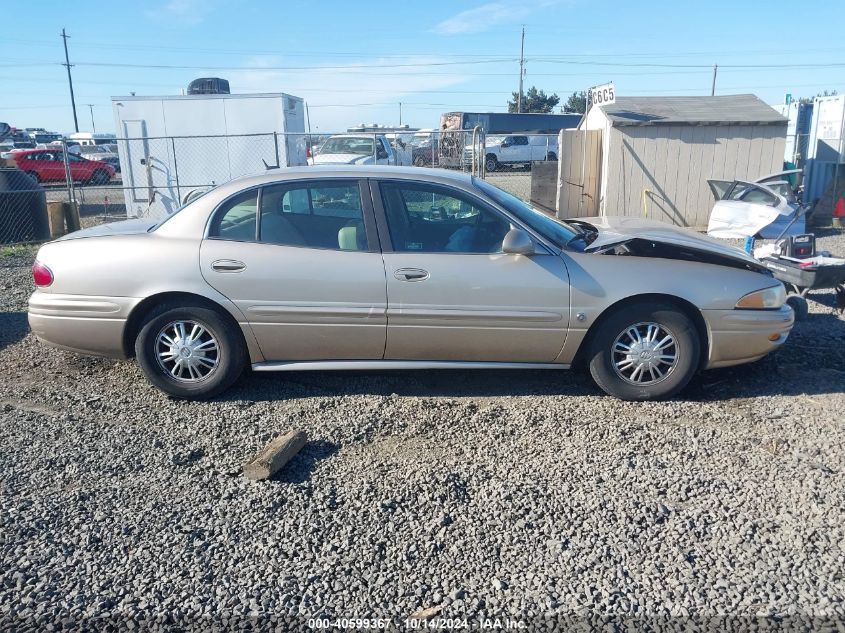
766 299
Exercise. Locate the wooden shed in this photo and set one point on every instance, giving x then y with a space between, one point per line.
658 152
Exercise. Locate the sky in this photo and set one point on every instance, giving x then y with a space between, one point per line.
355 62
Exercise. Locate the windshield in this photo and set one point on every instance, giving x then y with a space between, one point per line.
556 231
348 145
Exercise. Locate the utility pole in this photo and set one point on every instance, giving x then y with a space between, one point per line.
713 87
70 82
91 109
521 70
400 113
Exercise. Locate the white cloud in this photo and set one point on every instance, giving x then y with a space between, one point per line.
180 12
335 95
486 16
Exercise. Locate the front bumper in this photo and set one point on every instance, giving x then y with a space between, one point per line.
743 336
88 325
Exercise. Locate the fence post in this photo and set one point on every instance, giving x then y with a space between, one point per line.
276 145
176 169
71 193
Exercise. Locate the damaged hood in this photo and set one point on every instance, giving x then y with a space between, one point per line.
617 230
126 227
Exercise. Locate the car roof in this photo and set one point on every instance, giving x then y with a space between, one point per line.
345 171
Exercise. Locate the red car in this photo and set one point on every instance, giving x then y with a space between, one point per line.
47 165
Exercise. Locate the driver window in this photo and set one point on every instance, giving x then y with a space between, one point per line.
432 219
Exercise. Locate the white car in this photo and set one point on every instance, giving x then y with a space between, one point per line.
764 208
355 149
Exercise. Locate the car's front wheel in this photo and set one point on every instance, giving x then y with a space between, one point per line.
190 352
644 351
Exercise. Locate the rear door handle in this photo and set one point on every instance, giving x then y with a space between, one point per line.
227 266
411 274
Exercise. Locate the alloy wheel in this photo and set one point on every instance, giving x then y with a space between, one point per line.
187 351
644 354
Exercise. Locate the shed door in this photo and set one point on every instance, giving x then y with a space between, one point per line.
137 170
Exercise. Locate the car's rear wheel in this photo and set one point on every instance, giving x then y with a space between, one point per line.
551 156
190 352
35 175
491 163
100 177
644 351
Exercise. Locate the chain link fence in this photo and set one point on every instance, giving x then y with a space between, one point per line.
154 176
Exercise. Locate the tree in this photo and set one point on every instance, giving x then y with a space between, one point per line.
577 102
832 93
534 101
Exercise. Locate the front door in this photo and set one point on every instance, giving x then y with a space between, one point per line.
452 293
300 259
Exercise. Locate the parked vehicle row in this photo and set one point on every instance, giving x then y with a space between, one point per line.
340 267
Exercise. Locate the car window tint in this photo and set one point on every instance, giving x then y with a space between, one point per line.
235 220
434 219
326 215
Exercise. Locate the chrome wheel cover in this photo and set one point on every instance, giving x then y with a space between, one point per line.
644 354
187 351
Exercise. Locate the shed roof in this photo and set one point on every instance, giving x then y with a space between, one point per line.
745 109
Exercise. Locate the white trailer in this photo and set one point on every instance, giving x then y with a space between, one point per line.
170 146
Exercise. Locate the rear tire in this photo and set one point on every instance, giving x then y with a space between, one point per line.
215 358
491 163
668 359
99 177
35 175
551 156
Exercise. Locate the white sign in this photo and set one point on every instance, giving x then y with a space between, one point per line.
601 95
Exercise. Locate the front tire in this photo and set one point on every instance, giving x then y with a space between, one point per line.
644 351
190 352
491 163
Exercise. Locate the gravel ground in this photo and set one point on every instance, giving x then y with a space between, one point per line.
523 495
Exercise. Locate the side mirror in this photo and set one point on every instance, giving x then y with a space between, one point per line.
518 242
506 142
380 153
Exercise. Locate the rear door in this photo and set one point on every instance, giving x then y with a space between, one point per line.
301 261
452 293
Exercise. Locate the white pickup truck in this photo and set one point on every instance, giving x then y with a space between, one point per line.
356 149
515 150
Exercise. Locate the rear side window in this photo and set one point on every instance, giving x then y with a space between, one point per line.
325 215
235 220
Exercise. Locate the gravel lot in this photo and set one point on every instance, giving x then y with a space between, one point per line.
490 494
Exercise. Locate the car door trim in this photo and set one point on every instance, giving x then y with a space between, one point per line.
382 365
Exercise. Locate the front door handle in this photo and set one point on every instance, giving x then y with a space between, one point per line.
227 266
411 274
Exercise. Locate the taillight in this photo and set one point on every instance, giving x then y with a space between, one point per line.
308 152
42 275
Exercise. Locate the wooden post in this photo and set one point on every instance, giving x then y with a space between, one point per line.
72 216
56 218
275 455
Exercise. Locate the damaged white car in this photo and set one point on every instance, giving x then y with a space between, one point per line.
766 208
